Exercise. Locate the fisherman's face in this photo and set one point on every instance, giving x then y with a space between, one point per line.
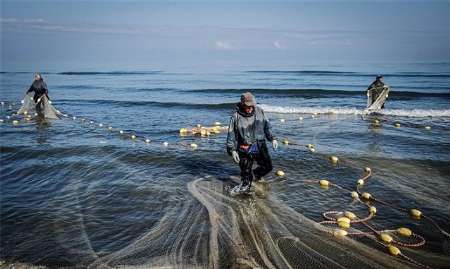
37 77
248 109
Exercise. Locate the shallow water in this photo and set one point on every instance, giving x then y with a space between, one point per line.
75 194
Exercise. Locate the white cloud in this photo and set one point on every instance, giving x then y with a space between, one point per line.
223 45
40 24
277 44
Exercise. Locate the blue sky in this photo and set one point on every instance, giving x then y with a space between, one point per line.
168 35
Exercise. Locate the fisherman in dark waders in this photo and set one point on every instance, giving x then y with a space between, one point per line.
39 87
375 89
246 142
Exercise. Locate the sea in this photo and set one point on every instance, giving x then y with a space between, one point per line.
75 193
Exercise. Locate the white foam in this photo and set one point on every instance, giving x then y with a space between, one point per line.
356 111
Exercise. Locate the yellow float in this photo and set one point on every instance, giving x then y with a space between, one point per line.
415 213
350 215
386 238
372 210
366 195
394 250
340 233
404 232
324 183
280 173
343 222
355 195
334 159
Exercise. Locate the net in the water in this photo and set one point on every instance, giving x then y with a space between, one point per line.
43 108
215 230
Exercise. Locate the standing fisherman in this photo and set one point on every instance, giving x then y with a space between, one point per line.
375 90
39 87
246 142
41 103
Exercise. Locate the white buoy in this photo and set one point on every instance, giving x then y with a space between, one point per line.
110 128
15 122
194 146
74 117
300 118
282 120
147 140
91 122
8 117
121 132
133 136
1 120
23 101
3 103
166 144
100 125
427 127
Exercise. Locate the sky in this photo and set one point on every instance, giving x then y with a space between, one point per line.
232 35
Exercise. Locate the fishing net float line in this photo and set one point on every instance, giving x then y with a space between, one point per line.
391 239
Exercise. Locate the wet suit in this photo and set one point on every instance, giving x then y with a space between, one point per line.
39 87
247 134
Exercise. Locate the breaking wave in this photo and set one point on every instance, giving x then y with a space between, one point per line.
356 111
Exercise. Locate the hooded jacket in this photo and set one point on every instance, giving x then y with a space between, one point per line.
39 87
247 128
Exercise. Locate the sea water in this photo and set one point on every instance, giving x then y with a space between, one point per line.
77 194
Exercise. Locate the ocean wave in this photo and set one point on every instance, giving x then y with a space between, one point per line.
112 73
150 103
356 74
356 111
304 92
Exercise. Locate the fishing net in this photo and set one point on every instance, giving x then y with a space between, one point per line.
215 230
376 97
43 108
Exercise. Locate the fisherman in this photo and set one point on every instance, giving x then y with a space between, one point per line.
375 89
41 100
246 142
39 87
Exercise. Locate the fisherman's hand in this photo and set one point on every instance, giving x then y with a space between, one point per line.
235 156
274 144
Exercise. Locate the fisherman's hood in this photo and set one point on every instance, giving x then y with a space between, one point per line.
241 111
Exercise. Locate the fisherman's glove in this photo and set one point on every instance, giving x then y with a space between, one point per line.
235 156
274 144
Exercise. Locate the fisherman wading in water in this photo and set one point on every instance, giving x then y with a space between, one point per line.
246 142
39 87
375 90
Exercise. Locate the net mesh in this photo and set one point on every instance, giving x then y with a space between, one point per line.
215 230
42 107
